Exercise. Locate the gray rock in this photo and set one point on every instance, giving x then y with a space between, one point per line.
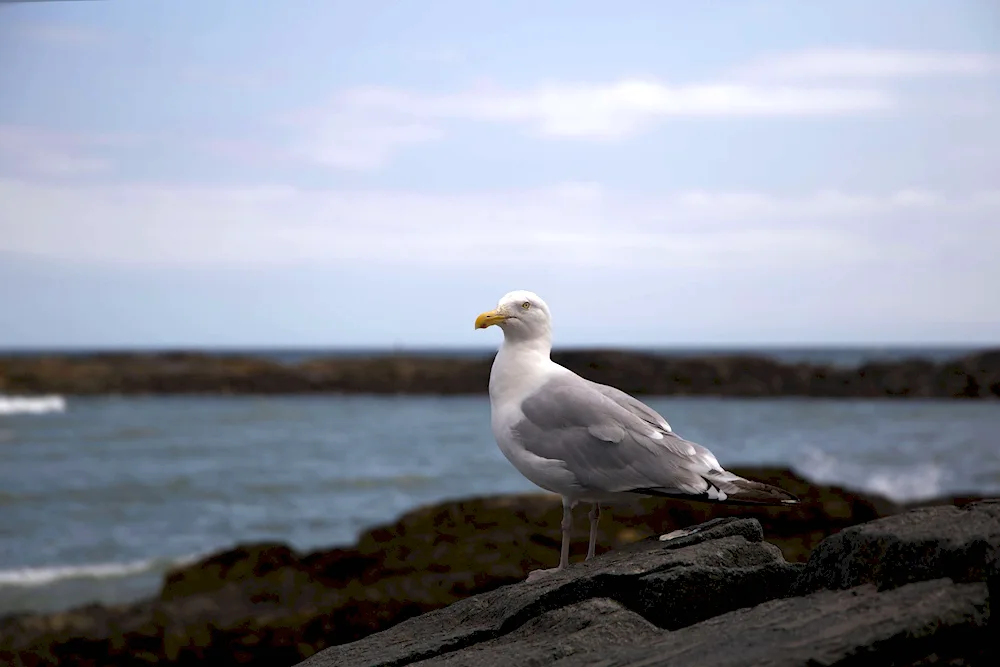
719 595
919 545
928 622
722 565
582 632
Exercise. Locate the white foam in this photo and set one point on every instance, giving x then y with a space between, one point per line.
34 405
904 483
41 576
909 484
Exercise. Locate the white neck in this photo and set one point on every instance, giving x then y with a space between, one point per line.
537 345
520 366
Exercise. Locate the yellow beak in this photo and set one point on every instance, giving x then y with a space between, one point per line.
489 318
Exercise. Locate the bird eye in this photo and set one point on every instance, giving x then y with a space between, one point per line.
526 305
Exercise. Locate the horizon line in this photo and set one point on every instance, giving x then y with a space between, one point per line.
486 348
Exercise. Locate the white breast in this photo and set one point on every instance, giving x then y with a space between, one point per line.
513 379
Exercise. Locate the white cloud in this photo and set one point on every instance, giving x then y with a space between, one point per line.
573 225
620 109
355 141
361 128
846 265
30 150
872 64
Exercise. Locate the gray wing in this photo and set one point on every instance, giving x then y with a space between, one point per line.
638 408
613 443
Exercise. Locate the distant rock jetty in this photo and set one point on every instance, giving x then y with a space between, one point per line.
972 376
844 578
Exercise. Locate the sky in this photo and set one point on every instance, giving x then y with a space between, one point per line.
311 173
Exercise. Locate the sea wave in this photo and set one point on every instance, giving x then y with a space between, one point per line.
45 575
34 405
903 483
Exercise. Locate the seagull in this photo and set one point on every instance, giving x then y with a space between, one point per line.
589 442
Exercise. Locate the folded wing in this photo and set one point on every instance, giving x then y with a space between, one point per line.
613 443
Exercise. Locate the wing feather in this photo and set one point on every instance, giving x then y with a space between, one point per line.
611 444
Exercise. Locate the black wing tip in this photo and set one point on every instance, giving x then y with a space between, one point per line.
763 495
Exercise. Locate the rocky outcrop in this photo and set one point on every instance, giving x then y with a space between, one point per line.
720 596
723 566
974 376
265 604
933 622
961 543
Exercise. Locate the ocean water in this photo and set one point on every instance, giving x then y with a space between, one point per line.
99 496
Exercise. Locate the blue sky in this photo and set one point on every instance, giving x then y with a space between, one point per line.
316 173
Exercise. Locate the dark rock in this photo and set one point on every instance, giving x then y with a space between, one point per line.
927 543
510 535
929 622
725 565
579 633
973 376
983 373
934 622
904 378
243 562
265 604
